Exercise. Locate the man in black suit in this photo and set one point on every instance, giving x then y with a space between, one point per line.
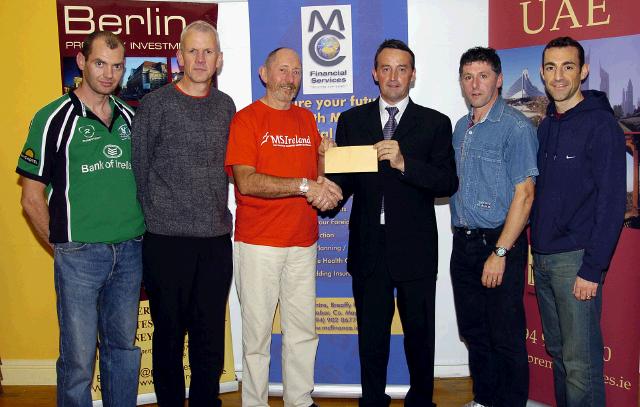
393 239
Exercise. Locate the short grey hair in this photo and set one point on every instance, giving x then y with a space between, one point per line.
201 26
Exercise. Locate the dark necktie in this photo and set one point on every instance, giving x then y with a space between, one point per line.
390 126
387 131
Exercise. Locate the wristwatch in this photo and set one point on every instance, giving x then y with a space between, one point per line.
500 251
304 186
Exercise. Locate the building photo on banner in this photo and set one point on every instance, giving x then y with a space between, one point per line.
336 42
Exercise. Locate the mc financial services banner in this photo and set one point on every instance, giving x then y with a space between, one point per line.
151 33
337 42
610 34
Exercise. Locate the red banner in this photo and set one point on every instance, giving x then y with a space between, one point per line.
151 32
610 34
535 22
620 326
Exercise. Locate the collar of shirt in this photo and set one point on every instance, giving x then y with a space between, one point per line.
494 114
384 115
82 110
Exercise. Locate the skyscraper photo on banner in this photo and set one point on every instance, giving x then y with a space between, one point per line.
337 43
610 36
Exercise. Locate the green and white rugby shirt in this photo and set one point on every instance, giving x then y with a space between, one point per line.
87 168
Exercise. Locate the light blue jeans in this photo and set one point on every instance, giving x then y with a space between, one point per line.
572 332
98 288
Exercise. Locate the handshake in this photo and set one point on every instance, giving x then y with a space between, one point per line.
323 194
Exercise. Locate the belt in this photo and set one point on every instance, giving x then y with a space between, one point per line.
473 233
468 232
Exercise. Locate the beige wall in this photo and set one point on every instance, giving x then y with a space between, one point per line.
31 78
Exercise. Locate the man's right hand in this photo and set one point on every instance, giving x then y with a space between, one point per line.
34 203
324 194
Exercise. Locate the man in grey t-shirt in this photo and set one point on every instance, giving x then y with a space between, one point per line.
179 140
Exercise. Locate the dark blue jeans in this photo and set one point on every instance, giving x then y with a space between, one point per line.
98 288
572 332
491 321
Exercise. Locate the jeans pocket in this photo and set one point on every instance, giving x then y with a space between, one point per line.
138 239
70 247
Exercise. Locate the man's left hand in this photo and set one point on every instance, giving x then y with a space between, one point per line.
493 271
584 289
390 150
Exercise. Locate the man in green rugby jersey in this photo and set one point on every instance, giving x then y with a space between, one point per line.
79 193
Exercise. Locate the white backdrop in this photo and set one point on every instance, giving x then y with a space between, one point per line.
439 32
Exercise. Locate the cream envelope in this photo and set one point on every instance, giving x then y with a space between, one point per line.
351 159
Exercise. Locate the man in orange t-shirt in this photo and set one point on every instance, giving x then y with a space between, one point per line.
276 157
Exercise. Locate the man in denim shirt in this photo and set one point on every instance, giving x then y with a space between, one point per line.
495 149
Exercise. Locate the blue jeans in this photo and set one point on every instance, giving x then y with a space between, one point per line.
98 288
571 330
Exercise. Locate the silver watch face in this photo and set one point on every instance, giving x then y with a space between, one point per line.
304 186
500 251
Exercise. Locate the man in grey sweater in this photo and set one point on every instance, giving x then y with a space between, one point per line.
179 140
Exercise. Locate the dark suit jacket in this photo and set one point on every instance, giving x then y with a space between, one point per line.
411 237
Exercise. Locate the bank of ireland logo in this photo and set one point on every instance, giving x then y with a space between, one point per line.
112 151
124 132
324 46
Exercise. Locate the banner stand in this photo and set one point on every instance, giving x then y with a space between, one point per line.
150 398
345 391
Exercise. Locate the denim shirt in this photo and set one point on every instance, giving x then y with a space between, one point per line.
492 157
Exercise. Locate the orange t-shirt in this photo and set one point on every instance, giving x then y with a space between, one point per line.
282 143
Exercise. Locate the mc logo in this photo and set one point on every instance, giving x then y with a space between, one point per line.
324 46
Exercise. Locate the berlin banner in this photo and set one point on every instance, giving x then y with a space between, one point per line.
150 31
610 35
337 43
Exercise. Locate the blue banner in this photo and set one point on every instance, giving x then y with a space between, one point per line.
337 41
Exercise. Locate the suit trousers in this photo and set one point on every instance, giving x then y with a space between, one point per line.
187 280
264 276
491 320
374 299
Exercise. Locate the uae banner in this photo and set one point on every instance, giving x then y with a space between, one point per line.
609 32
150 31
337 41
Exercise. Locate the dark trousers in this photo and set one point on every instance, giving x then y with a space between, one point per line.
187 280
491 320
374 300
